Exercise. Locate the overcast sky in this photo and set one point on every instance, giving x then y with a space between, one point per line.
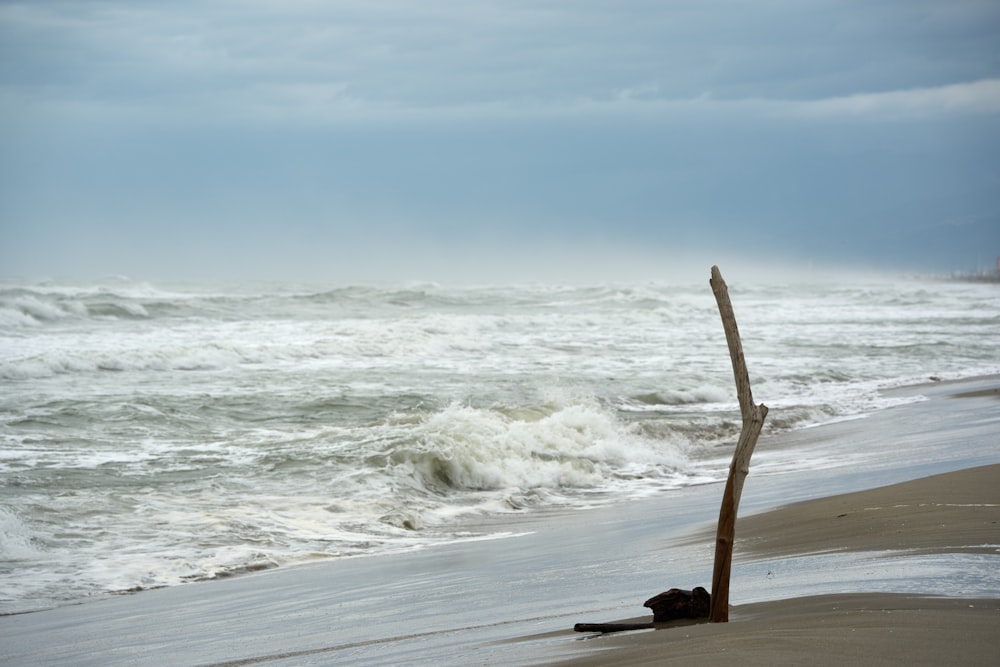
363 140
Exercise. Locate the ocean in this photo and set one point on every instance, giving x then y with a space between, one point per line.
154 435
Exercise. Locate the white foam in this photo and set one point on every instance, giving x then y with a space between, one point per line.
181 434
576 446
16 541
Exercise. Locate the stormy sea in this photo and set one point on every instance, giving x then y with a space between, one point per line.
157 434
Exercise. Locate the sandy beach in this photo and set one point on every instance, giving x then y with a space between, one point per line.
884 559
955 512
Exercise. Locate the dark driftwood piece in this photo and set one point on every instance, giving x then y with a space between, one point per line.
612 627
673 605
677 603
753 420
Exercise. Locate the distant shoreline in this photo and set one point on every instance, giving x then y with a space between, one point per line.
982 276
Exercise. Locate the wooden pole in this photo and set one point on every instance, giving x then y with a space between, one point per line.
753 420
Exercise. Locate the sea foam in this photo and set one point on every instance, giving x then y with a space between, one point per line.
153 436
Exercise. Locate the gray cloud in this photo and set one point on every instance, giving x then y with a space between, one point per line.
853 130
207 57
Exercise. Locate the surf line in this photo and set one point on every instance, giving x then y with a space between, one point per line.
258 659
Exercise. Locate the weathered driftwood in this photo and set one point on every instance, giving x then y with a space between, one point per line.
612 627
673 605
678 603
753 420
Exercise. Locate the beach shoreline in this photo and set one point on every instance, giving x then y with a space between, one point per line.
515 600
950 513
870 629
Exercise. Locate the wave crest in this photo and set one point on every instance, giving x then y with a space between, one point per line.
577 446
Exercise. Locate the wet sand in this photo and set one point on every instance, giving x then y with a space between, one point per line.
862 629
957 512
